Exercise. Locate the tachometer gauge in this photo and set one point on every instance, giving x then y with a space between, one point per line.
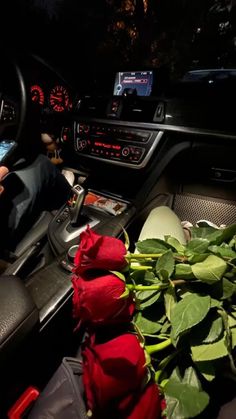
37 95
59 99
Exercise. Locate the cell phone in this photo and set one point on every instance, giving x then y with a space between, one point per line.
6 149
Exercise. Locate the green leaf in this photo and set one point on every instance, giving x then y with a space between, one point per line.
215 303
188 312
183 271
127 241
166 327
176 376
216 329
170 300
232 319
176 244
210 351
191 378
232 326
125 294
197 257
119 275
207 369
179 399
147 298
137 277
163 275
231 274
166 262
209 233
145 295
197 245
232 242
223 251
211 270
147 326
150 277
226 234
183 292
153 246
233 337
228 288
209 330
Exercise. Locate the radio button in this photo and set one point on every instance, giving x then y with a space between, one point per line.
81 144
125 151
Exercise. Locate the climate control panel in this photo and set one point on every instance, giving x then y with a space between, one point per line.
119 145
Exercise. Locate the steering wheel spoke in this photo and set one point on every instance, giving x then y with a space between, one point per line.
8 112
12 100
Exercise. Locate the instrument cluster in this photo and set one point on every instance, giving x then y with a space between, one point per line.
57 98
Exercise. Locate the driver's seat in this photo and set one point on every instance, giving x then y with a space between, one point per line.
27 240
25 256
29 248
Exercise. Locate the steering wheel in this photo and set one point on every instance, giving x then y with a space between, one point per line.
12 107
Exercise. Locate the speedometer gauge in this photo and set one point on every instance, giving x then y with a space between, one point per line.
59 99
37 95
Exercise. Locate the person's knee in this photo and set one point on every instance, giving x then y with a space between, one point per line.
161 222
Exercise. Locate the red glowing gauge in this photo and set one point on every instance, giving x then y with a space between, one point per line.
59 99
37 95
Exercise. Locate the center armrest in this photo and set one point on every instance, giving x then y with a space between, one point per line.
18 313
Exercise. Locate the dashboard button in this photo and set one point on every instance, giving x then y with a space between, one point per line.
125 151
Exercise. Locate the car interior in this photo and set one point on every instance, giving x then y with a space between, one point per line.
138 143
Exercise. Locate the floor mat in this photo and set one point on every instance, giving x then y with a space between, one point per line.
196 207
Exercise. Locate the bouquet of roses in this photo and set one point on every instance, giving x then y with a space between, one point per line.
160 322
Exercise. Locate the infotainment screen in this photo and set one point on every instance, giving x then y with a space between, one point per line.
138 83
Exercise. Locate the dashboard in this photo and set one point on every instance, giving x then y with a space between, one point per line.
138 97
57 98
127 128
47 88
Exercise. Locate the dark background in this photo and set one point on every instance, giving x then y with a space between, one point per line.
85 37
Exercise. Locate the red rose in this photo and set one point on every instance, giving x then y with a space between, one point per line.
163 406
147 405
97 301
112 370
99 252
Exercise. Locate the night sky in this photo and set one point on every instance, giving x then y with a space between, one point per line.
50 6
100 34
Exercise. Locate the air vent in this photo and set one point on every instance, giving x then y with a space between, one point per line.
139 109
92 107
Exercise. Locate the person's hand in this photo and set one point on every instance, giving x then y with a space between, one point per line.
3 172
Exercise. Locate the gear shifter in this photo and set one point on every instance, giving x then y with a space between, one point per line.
76 203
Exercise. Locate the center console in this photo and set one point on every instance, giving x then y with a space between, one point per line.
99 211
119 127
51 287
121 145
113 141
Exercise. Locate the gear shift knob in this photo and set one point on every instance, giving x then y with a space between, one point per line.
76 203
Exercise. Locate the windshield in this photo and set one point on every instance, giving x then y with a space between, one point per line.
176 36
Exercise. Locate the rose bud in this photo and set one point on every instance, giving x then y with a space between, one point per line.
112 370
97 301
99 252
